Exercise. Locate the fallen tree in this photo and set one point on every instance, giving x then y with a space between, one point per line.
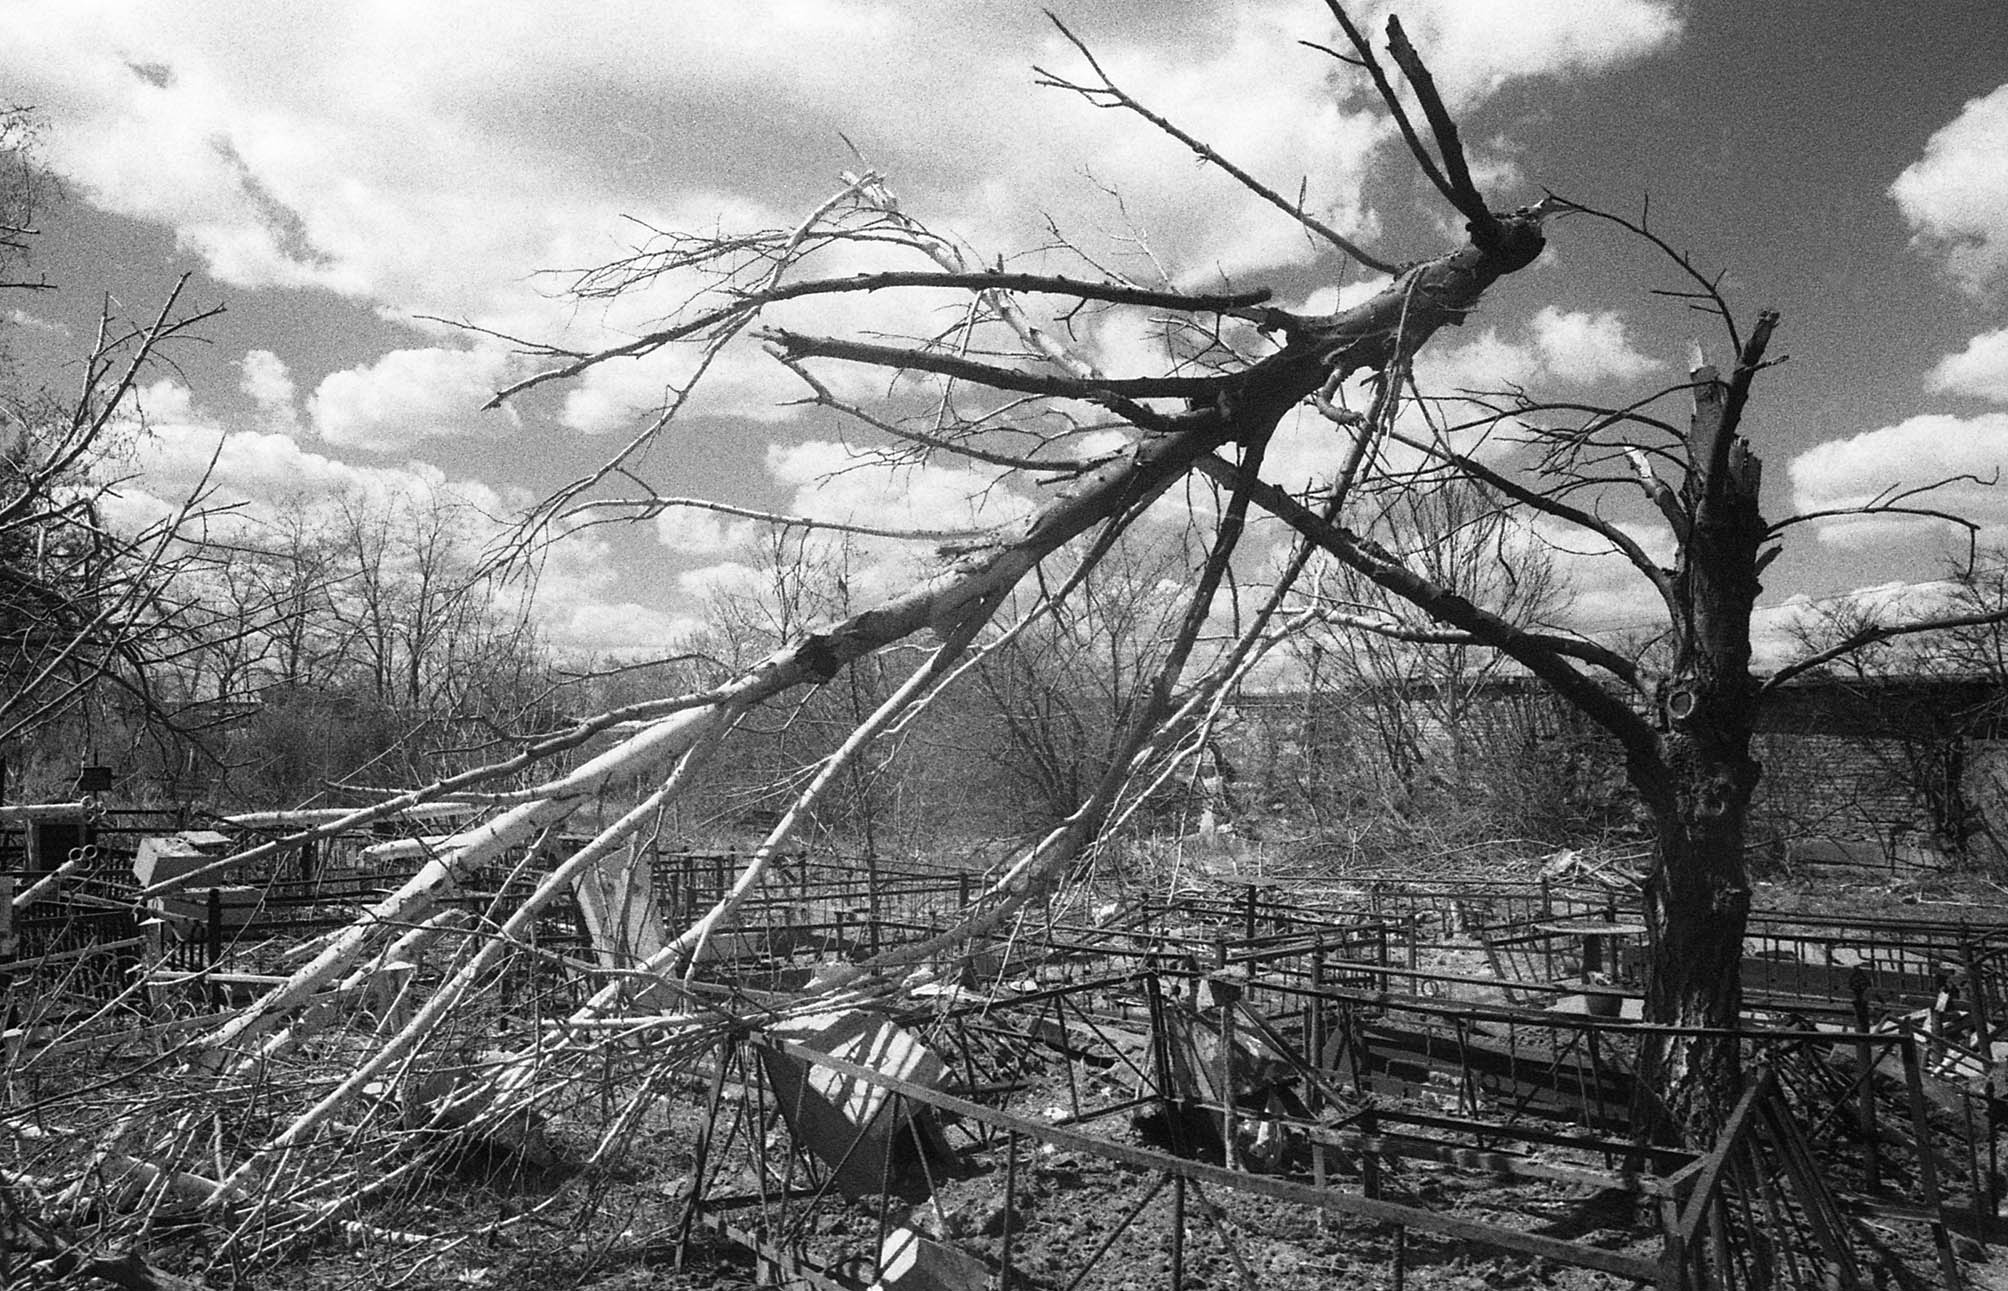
1236 411
1239 367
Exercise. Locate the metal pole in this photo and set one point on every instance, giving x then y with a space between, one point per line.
1314 1033
1927 1168
700 1158
1983 1031
6 939
1010 1208
215 927
1230 1156
1315 1030
1160 1058
872 895
1858 982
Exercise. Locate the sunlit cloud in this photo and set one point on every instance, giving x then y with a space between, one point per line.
411 395
1965 453
270 386
1956 195
1477 47
1979 370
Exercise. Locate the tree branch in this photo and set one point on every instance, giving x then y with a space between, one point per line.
650 507
1547 505
747 304
1531 649
792 346
1108 94
1874 634
1459 190
1709 288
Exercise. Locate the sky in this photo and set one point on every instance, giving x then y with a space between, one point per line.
342 177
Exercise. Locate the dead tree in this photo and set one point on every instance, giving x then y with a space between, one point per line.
1002 379
1685 730
89 609
1002 386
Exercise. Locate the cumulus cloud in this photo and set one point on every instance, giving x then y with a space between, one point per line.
742 382
372 151
697 532
440 188
1475 47
1605 592
1555 346
1853 472
1487 361
1776 631
269 385
723 579
410 395
1980 370
1581 347
1274 117
256 479
1956 195
256 473
834 482
618 629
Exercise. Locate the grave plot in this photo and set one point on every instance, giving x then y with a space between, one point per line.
1231 1082
1269 1083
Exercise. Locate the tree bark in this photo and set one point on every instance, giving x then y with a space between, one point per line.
1697 896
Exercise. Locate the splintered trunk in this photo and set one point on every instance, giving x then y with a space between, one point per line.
1699 779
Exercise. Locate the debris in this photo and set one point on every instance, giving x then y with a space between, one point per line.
484 1100
910 1262
170 856
866 1134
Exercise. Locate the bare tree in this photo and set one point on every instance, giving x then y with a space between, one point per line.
1056 695
1685 730
1000 386
1004 385
1925 747
86 607
1420 700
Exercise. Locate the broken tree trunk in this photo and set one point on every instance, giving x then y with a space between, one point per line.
1697 896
